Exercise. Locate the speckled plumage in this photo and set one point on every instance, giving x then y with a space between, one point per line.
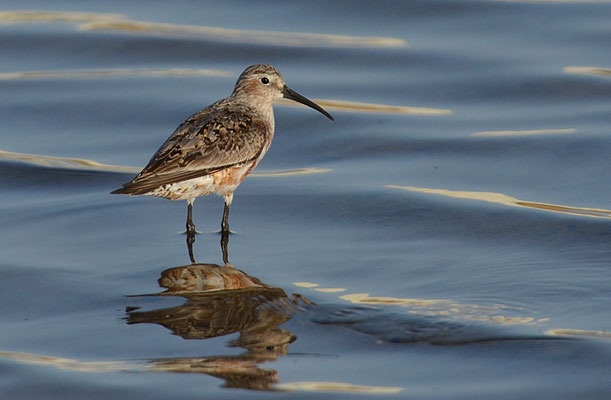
213 140
213 150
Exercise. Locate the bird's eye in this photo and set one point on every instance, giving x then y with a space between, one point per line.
264 80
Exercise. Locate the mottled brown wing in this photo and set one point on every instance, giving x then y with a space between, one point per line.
208 141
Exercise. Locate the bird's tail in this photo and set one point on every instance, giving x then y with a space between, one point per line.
118 191
133 189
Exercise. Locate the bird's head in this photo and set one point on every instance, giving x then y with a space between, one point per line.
262 84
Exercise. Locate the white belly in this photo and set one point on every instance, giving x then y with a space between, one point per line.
223 183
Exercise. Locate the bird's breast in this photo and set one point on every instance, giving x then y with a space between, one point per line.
227 180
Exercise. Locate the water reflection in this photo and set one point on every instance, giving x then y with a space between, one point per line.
121 23
191 240
500 198
360 107
525 132
223 300
93 165
587 70
114 72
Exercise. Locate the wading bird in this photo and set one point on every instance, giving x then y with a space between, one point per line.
217 147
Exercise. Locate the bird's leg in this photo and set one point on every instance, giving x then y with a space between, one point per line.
225 223
190 225
224 243
190 241
190 230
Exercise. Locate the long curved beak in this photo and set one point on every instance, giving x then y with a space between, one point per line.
293 95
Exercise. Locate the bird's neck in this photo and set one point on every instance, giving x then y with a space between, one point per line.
260 105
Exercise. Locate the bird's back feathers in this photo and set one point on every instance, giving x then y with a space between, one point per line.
218 137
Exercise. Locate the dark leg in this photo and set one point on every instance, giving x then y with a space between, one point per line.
224 243
190 225
225 223
190 230
190 241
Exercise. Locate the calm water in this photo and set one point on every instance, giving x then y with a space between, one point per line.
453 246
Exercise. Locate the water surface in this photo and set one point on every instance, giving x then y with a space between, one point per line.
447 237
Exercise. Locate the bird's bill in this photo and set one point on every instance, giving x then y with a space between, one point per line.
293 95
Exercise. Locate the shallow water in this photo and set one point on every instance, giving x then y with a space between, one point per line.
447 237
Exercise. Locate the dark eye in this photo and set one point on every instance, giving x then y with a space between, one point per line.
264 80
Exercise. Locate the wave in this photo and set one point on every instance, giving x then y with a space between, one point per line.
501 198
120 23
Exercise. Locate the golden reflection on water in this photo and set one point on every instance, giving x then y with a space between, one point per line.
447 308
337 387
434 307
587 70
526 132
579 333
500 198
353 106
246 36
14 17
250 377
558 1
330 290
64 162
315 286
70 364
92 165
104 73
306 284
120 23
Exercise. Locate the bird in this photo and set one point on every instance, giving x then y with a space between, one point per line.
214 149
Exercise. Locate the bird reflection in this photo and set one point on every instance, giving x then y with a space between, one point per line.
224 243
222 300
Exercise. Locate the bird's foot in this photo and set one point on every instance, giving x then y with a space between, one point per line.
191 230
190 233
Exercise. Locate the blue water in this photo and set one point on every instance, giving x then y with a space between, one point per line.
456 249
